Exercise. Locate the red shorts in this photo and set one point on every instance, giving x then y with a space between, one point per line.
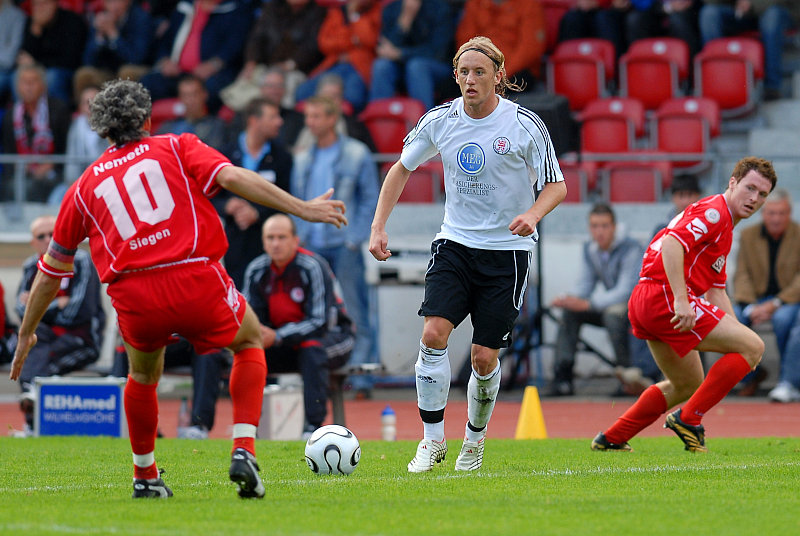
650 311
198 301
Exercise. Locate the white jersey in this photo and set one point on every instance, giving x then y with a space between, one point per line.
491 168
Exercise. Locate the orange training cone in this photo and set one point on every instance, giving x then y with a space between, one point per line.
531 421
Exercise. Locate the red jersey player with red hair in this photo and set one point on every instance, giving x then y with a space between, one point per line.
681 308
157 241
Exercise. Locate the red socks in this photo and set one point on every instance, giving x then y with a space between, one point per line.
141 411
248 377
721 378
650 406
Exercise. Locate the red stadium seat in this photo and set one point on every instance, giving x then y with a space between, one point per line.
389 120
425 184
581 178
686 125
611 125
581 70
553 11
652 70
729 70
165 110
636 182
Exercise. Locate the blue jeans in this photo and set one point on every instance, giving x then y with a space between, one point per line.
720 21
786 326
355 90
348 266
420 76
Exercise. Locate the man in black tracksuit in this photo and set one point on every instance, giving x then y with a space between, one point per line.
304 325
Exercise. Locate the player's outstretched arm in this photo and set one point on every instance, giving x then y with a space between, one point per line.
551 195
43 291
252 186
392 187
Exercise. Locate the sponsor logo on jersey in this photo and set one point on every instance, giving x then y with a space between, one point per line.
297 294
697 227
471 158
501 145
712 215
719 264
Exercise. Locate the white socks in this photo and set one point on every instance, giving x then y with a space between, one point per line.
481 397
433 378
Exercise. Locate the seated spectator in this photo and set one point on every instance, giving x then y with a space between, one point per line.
766 288
517 27
83 143
36 124
204 38
414 49
195 118
8 331
257 149
273 87
285 37
347 38
118 45
70 333
603 19
346 165
331 86
725 18
609 270
684 191
207 377
12 29
54 38
304 325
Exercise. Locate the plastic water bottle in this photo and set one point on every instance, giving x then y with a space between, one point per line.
388 424
184 415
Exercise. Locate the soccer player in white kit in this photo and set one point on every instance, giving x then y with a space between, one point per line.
501 178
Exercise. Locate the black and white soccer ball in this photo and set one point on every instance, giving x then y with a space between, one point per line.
332 449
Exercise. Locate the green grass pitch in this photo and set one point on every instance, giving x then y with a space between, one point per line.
76 485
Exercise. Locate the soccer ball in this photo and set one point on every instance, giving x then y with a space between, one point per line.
332 449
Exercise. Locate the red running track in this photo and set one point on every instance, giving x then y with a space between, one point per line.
573 418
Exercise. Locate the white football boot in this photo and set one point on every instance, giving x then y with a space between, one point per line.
471 456
429 452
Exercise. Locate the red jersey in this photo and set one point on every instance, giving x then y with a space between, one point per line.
143 205
705 229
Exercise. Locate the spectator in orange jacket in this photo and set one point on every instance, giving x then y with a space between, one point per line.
347 38
517 27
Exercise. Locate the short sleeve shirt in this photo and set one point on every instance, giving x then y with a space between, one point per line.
493 168
705 230
143 205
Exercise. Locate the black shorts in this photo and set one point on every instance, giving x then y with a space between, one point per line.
487 284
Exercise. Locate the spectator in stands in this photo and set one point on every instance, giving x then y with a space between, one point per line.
12 29
772 18
257 149
609 270
273 87
70 333
195 118
304 325
36 124
685 190
331 86
517 27
8 333
82 142
346 165
204 38
285 36
347 38
207 373
413 52
766 288
54 38
624 21
118 45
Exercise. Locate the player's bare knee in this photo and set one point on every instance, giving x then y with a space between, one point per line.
484 360
434 337
755 351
